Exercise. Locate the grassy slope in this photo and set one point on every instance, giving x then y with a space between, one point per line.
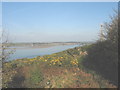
59 70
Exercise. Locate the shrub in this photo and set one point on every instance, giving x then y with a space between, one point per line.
103 55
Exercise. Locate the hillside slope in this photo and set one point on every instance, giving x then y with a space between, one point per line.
59 70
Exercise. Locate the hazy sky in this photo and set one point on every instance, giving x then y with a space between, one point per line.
54 22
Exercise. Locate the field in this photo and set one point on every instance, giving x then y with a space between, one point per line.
59 70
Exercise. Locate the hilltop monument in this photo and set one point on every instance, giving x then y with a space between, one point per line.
101 32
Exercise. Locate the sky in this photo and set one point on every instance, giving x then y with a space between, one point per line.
55 21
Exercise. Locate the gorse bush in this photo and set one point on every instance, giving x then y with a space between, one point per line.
59 70
103 59
103 55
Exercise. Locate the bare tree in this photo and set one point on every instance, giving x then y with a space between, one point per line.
6 51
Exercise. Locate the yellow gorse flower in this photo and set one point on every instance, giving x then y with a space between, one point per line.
56 61
45 60
74 62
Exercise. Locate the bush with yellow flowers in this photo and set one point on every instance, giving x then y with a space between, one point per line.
74 62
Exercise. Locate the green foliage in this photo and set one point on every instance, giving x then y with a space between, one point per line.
103 55
34 77
59 69
80 60
103 58
84 48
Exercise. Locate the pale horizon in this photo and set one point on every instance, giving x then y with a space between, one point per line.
55 21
